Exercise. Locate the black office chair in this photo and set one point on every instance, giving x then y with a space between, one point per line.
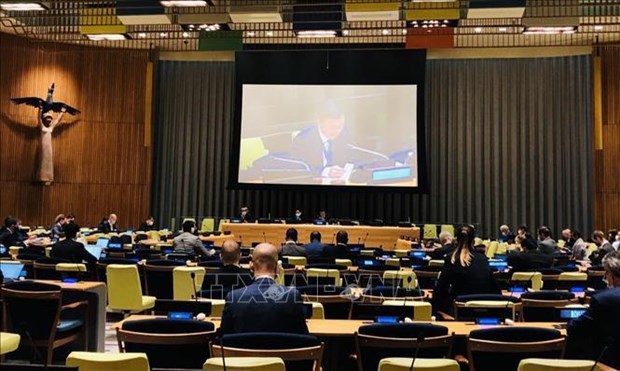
541 306
299 352
34 310
158 277
45 268
377 341
502 348
168 343
320 260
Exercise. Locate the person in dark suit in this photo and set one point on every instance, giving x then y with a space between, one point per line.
445 239
245 216
315 249
546 244
71 250
148 225
108 225
341 249
326 147
290 248
264 306
529 259
59 222
465 272
11 235
596 333
505 235
231 275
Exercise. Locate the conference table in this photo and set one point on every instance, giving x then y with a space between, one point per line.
382 237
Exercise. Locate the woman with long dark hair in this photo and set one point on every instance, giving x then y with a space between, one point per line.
465 272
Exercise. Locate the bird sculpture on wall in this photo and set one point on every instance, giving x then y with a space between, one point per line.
46 105
47 123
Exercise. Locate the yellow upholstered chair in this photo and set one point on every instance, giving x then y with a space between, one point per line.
217 306
477 241
408 278
318 312
422 310
573 276
492 249
297 260
245 363
448 228
70 267
14 250
366 252
251 150
430 232
435 263
501 248
153 235
535 277
421 364
125 289
324 273
543 364
95 361
8 343
208 225
343 262
182 283
516 307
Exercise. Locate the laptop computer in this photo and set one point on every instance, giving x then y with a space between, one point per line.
11 271
94 250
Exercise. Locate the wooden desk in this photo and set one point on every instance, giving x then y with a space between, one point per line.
217 240
384 237
346 328
96 295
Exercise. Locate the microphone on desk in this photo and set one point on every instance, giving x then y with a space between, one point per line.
417 349
333 238
222 347
608 341
240 241
264 237
365 237
404 311
193 276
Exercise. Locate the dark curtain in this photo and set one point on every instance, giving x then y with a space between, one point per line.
509 141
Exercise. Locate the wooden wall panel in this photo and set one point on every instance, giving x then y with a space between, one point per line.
607 160
100 162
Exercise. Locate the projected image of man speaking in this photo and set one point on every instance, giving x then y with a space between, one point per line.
325 146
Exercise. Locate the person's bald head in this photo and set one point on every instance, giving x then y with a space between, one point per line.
265 260
230 253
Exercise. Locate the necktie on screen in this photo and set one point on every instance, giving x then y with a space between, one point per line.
328 153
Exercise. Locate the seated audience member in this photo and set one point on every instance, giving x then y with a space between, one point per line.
340 250
290 248
11 235
505 235
70 218
465 272
108 225
524 238
529 259
57 230
579 246
616 243
245 216
603 244
445 239
322 216
264 306
596 334
546 244
567 237
71 250
188 243
315 248
231 255
148 225
298 216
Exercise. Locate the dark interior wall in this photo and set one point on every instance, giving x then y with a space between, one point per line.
509 141
101 164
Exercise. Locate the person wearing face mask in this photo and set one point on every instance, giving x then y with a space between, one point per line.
297 216
264 306
245 216
188 243
148 225
596 333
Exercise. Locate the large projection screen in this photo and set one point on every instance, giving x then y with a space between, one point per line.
306 120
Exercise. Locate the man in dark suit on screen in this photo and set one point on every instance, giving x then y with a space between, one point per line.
264 306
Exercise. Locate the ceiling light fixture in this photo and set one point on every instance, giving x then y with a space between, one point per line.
108 37
434 23
142 35
163 34
183 3
316 33
503 29
564 30
385 32
598 27
269 33
478 29
25 6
